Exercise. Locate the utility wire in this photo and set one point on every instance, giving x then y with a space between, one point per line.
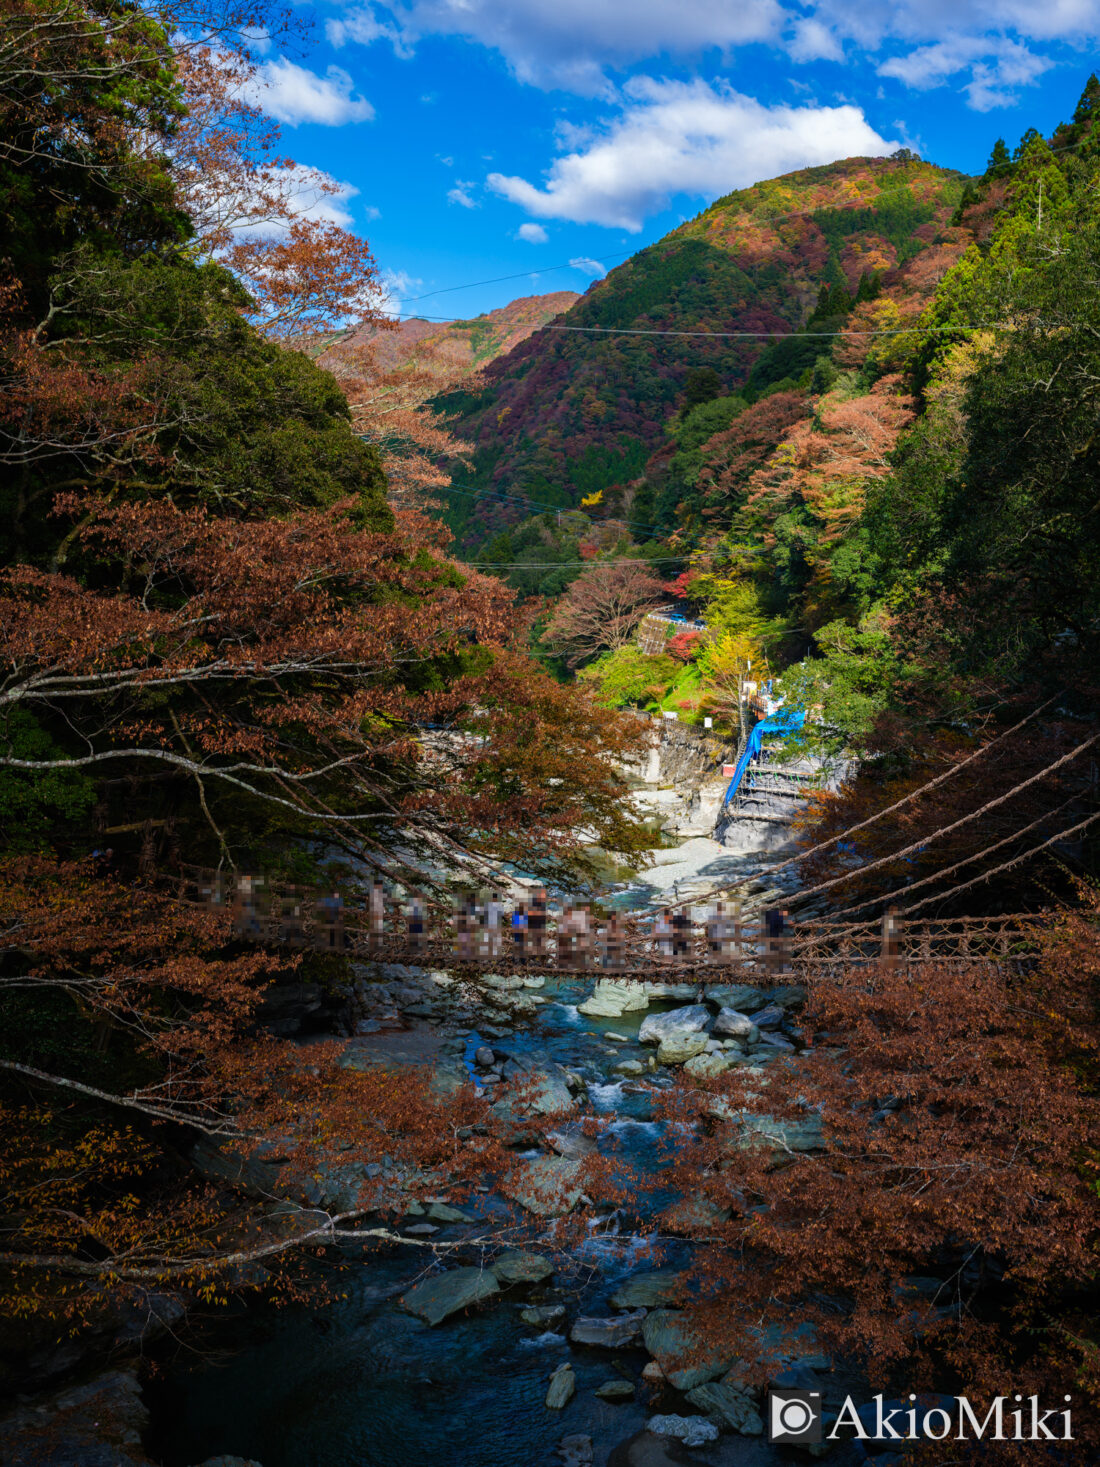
626 254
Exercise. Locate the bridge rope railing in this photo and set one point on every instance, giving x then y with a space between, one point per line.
537 936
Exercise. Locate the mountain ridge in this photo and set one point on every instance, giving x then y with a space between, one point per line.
564 415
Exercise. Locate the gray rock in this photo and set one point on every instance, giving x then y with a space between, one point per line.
546 1186
803 1135
650 1290
563 1384
536 1092
672 992
543 1314
770 1017
571 1142
615 1390
706 1066
442 1212
775 1044
522 1268
612 997
678 1048
729 1406
693 1215
788 995
679 1351
630 1067
743 997
618 1330
484 1056
421 1230
435 1299
98 1424
693 1431
677 1022
736 1025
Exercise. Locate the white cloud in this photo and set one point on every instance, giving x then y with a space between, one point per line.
687 137
567 43
291 94
532 233
361 25
576 44
813 41
460 194
589 267
397 287
996 66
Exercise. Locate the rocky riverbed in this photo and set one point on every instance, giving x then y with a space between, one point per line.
525 1356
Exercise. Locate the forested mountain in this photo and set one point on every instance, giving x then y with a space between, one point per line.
572 412
453 345
891 509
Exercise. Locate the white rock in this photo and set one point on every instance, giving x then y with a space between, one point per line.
693 1431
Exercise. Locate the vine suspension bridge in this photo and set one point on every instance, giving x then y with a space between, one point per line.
535 936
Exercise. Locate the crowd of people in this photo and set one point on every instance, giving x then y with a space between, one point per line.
485 928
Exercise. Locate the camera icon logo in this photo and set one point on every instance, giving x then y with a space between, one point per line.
794 1416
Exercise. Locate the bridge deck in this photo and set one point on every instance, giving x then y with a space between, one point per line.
574 940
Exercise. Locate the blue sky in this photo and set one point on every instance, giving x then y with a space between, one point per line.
483 138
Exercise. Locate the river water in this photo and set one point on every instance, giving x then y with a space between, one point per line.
356 1382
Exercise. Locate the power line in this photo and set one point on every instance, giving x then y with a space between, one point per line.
627 254
748 335
502 497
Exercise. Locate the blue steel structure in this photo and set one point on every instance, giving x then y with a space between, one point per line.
781 724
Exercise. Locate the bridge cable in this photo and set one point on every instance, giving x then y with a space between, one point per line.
948 871
955 824
880 814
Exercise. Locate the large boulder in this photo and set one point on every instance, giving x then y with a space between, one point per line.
690 1019
613 997
781 1136
728 1405
548 1186
744 997
436 1299
678 1048
672 992
618 1330
522 1268
680 1352
654 1290
733 1024
706 1066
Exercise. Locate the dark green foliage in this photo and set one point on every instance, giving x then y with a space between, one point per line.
999 163
71 104
701 385
38 806
222 416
